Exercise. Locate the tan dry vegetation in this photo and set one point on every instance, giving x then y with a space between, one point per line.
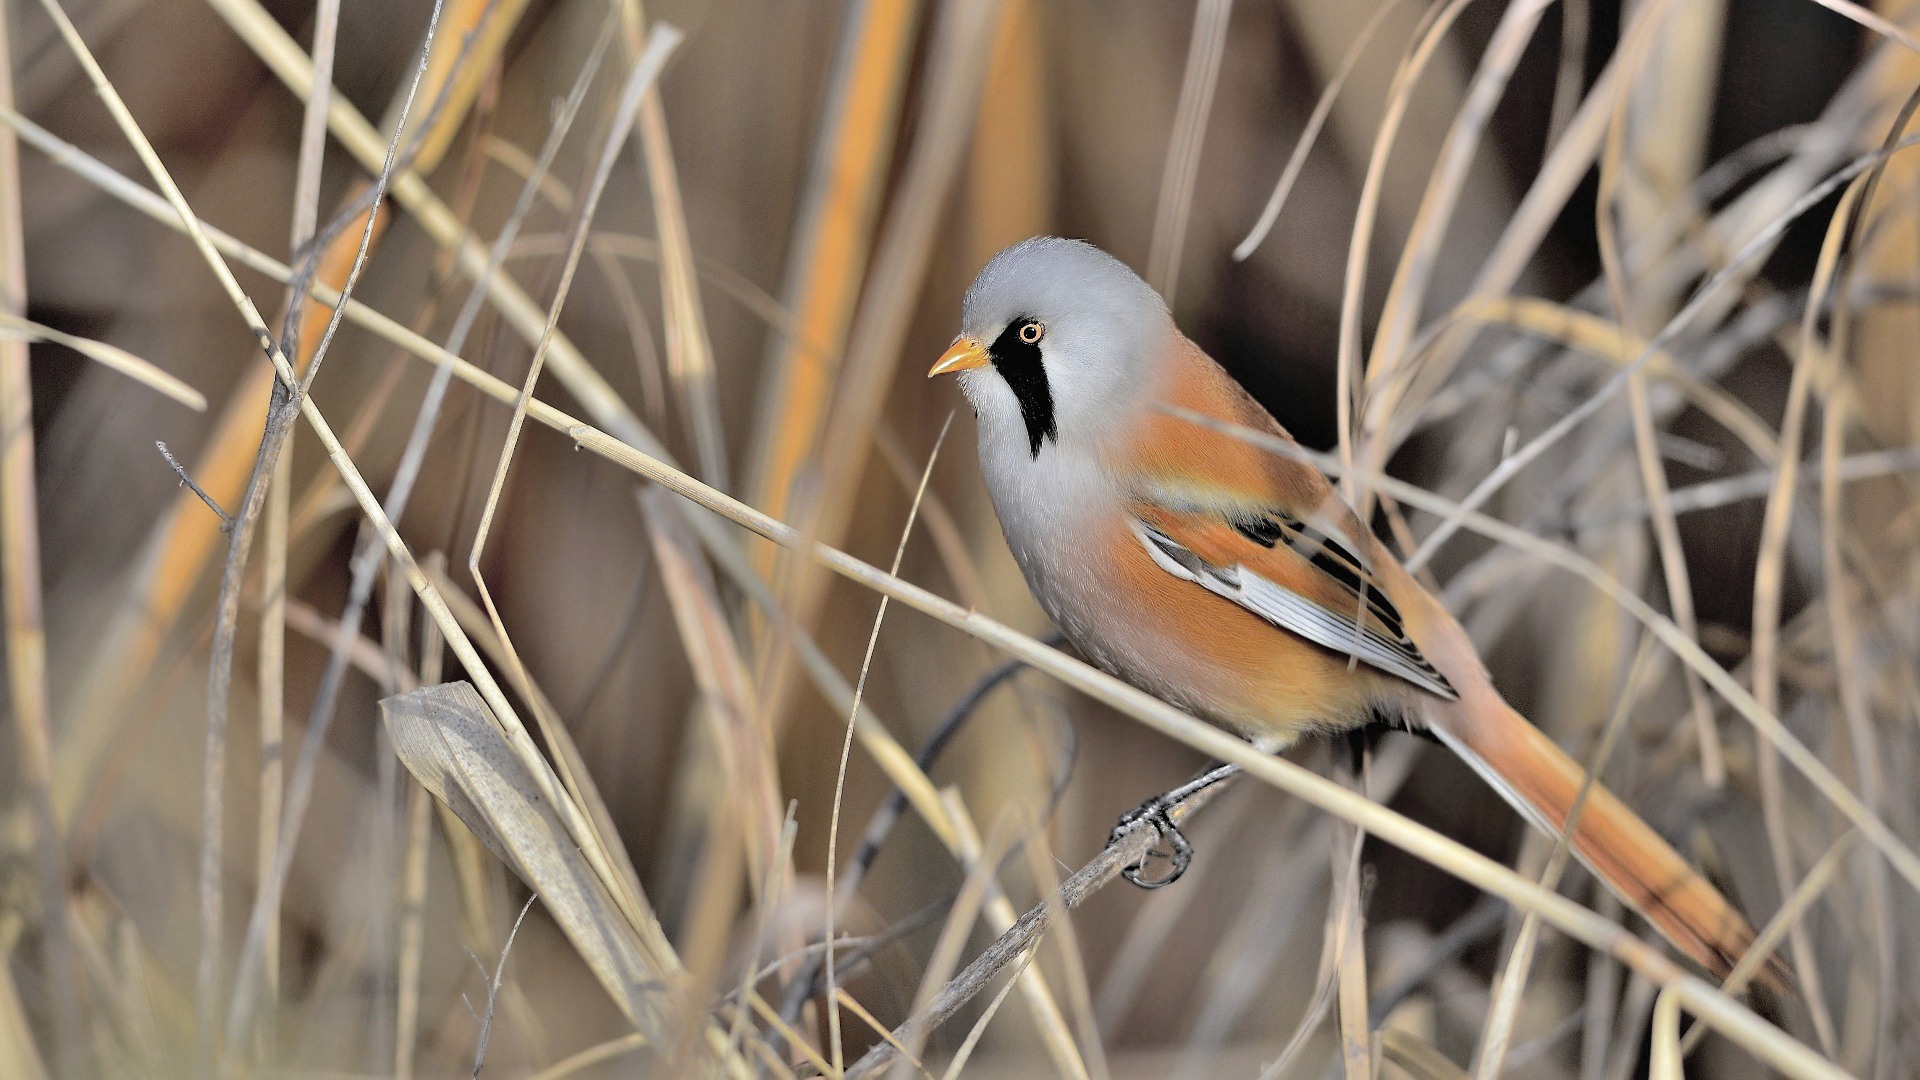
1608 317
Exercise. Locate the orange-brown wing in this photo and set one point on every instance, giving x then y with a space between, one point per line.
1296 575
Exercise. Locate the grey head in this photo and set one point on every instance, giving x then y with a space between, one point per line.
1058 337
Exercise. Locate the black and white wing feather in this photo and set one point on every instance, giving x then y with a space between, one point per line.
1380 641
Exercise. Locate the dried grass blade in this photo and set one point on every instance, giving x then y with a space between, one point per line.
1420 1060
1665 1050
1768 586
1411 278
144 372
575 779
450 741
965 1052
1347 926
1310 134
1434 26
1634 53
752 792
945 958
961 44
1204 51
593 1055
833 228
1855 711
646 70
1043 869
689 347
413 931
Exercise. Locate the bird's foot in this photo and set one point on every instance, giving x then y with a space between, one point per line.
1153 814
1157 814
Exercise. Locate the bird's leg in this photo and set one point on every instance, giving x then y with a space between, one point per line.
1156 813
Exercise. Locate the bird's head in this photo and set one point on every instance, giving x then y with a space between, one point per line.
1058 340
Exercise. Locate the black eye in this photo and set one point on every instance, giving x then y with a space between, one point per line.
1031 332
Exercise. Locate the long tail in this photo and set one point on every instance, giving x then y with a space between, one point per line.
1541 781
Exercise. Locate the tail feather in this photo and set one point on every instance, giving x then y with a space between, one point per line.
1640 867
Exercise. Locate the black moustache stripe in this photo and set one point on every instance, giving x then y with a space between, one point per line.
1018 362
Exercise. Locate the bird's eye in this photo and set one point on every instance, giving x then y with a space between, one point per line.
1031 332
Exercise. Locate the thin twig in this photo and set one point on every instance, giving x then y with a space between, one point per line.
179 470
1129 849
493 987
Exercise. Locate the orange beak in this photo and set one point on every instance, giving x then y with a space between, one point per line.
964 353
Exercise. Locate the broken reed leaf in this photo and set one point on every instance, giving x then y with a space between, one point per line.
448 739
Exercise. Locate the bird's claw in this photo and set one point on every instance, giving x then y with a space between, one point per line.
1153 814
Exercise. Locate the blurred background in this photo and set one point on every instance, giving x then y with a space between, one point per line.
1484 209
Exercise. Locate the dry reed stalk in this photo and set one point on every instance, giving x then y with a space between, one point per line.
270 671
23 609
271 659
962 38
689 347
14 328
1204 51
833 228
1413 275
413 901
1346 933
1427 38
1614 198
1769 570
747 766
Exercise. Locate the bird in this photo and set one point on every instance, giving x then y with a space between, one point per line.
1233 581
